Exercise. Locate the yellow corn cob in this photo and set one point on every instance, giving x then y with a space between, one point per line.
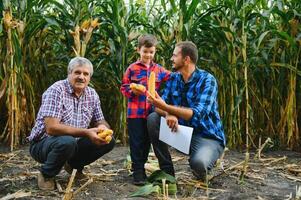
137 87
152 83
108 138
103 134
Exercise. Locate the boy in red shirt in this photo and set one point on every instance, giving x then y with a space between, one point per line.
138 107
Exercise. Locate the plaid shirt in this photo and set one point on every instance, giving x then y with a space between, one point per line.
199 94
137 72
59 102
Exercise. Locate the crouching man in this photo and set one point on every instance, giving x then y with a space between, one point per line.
66 128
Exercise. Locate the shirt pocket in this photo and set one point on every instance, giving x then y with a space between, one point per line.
87 115
67 114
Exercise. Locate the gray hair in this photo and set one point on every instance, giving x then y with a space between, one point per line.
79 61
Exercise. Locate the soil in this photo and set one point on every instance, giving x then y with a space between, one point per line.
276 176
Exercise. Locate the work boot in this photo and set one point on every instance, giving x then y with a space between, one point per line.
79 174
45 183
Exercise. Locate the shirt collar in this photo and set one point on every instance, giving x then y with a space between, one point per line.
195 75
140 63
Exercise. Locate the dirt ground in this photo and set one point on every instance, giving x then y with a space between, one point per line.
277 175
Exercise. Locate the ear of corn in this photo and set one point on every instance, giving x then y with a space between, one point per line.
139 87
106 135
108 138
152 84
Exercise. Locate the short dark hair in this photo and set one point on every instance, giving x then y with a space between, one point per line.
188 48
147 40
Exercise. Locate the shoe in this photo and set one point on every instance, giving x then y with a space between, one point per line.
45 183
200 177
79 174
139 178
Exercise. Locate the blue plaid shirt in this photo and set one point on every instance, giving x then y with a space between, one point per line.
199 94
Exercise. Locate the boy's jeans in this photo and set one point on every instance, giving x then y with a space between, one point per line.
139 142
203 152
54 151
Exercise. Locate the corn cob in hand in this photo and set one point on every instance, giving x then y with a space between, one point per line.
106 135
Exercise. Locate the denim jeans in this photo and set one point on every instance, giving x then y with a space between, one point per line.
203 152
54 151
139 142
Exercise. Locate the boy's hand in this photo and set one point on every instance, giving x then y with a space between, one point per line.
137 89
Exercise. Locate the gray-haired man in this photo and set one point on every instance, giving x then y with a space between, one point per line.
62 134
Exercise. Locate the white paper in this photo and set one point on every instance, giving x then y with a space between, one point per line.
180 140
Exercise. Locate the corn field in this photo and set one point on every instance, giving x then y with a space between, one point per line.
252 47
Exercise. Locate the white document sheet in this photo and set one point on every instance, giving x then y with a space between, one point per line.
180 140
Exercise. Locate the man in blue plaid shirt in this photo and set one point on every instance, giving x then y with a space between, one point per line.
190 99
66 128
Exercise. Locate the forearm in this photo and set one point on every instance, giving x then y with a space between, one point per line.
181 112
62 129
161 112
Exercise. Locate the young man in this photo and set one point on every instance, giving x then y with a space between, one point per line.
190 99
138 107
62 134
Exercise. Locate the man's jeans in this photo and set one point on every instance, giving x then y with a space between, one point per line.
139 143
54 151
203 152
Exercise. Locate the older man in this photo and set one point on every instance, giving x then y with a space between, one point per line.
65 132
190 99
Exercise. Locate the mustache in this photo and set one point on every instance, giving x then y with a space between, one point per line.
79 80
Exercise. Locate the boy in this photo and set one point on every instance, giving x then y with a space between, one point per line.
138 107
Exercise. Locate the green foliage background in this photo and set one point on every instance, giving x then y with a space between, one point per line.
252 47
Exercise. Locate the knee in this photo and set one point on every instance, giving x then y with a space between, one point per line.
67 144
153 122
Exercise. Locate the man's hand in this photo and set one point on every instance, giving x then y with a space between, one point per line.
172 122
92 135
102 127
156 100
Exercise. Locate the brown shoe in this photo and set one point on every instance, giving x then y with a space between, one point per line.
79 174
45 183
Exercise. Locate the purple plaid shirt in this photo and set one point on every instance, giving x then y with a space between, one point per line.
59 101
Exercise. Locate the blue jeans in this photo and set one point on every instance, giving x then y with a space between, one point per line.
139 142
54 151
204 152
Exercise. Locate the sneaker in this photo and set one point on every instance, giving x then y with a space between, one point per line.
45 183
139 178
79 174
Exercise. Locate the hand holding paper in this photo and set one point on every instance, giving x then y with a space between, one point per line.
180 139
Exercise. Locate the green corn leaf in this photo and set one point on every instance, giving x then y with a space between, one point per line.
146 190
158 175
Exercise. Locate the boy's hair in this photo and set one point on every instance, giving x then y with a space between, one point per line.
147 40
188 48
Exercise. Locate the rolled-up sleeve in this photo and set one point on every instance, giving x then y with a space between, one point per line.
205 101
